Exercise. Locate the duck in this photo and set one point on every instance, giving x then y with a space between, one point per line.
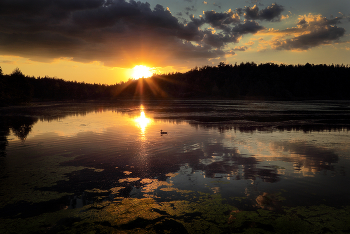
161 132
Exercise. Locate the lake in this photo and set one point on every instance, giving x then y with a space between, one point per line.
221 167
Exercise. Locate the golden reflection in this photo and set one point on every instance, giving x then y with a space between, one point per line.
142 121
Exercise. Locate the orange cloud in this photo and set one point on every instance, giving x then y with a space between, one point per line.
311 31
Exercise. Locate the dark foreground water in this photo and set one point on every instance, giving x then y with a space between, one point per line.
222 167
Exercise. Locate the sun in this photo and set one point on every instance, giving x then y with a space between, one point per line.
140 71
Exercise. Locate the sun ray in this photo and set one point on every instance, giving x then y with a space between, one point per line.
155 88
139 87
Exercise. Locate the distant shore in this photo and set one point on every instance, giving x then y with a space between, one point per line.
246 81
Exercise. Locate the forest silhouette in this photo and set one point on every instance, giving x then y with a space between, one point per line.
249 80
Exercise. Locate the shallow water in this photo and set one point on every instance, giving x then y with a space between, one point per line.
62 156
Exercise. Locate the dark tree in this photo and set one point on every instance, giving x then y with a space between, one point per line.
267 81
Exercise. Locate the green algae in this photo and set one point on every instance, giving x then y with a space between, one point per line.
95 190
30 175
130 215
206 213
314 219
209 214
193 212
239 199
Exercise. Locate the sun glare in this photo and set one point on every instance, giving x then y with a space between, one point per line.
142 121
140 71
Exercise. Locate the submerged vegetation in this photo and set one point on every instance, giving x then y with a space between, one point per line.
244 81
207 214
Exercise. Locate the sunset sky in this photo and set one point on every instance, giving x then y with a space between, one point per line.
100 41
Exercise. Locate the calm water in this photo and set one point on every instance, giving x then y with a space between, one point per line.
68 156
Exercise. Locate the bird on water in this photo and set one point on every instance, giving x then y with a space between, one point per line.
161 132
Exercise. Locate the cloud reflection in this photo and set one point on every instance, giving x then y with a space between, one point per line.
215 160
307 157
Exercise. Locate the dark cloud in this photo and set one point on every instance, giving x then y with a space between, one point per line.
313 20
188 51
116 32
221 20
230 25
252 12
314 30
302 22
240 11
316 37
240 48
270 13
41 8
89 30
219 40
191 32
336 20
247 27
80 4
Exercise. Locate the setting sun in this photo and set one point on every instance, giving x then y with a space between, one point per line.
140 71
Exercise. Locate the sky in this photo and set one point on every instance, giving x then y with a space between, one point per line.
100 41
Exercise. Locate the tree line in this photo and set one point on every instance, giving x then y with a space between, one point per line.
249 80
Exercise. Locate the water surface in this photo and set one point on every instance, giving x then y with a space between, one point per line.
252 155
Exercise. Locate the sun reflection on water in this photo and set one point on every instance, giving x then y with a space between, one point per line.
142 121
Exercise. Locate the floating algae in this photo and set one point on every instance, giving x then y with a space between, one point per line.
314 219
203 213
269 201
31 176
129 216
